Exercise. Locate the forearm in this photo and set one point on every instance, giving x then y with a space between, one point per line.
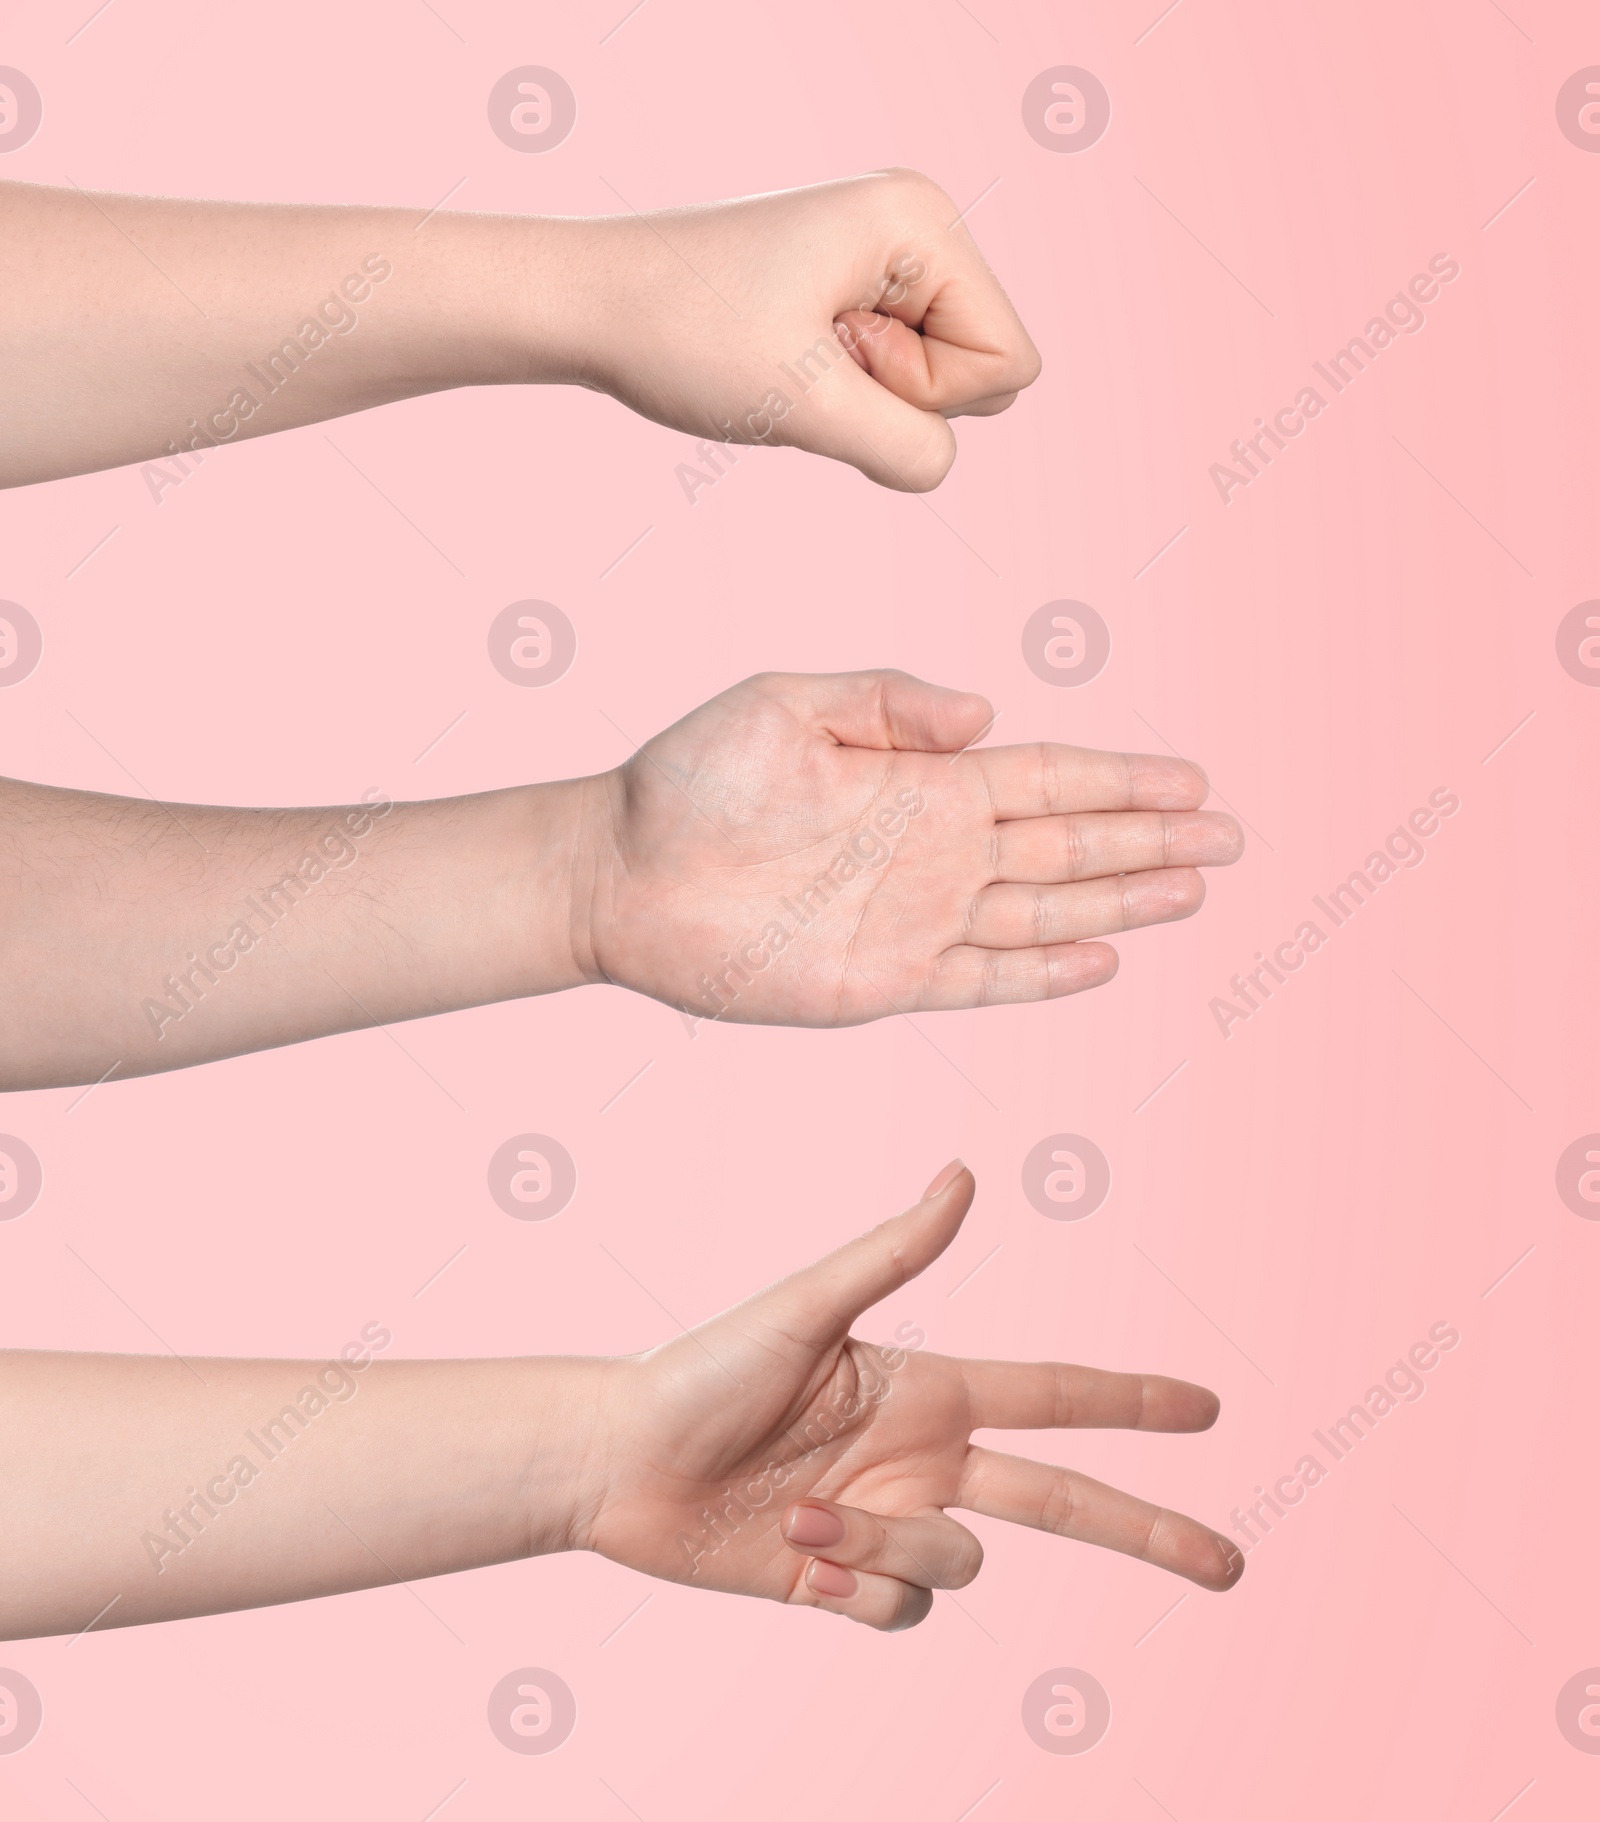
136 328
137 937
170 1488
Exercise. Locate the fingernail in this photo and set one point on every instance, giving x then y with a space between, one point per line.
830 1579
810 1525
945 1178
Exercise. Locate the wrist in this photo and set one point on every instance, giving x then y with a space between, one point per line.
574 1408
563 837
517 866
561 293
488 300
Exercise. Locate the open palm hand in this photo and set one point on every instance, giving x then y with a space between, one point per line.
826 850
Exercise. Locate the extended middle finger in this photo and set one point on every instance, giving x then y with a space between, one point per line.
1054 850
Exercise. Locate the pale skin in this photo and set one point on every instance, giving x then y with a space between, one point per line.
136 936
851 319
769 1452
800 850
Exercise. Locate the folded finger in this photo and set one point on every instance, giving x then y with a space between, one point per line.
982 408
1072 1505
1050 1395
854 419
1044 779
966 976
1013 917
878 1601
1039 850
937 374
930 1551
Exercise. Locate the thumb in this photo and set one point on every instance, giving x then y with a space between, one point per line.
891 710
817 1305
854 419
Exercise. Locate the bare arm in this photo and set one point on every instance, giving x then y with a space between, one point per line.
134 328
797 851
770 1453
851 319
138 937
187 1487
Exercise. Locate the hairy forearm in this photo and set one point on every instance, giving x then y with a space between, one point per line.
155 1489
137 328
137 936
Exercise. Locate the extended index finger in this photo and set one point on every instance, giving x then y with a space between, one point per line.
1050 1395
1044 779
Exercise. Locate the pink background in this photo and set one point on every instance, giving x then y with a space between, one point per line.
1365 1157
